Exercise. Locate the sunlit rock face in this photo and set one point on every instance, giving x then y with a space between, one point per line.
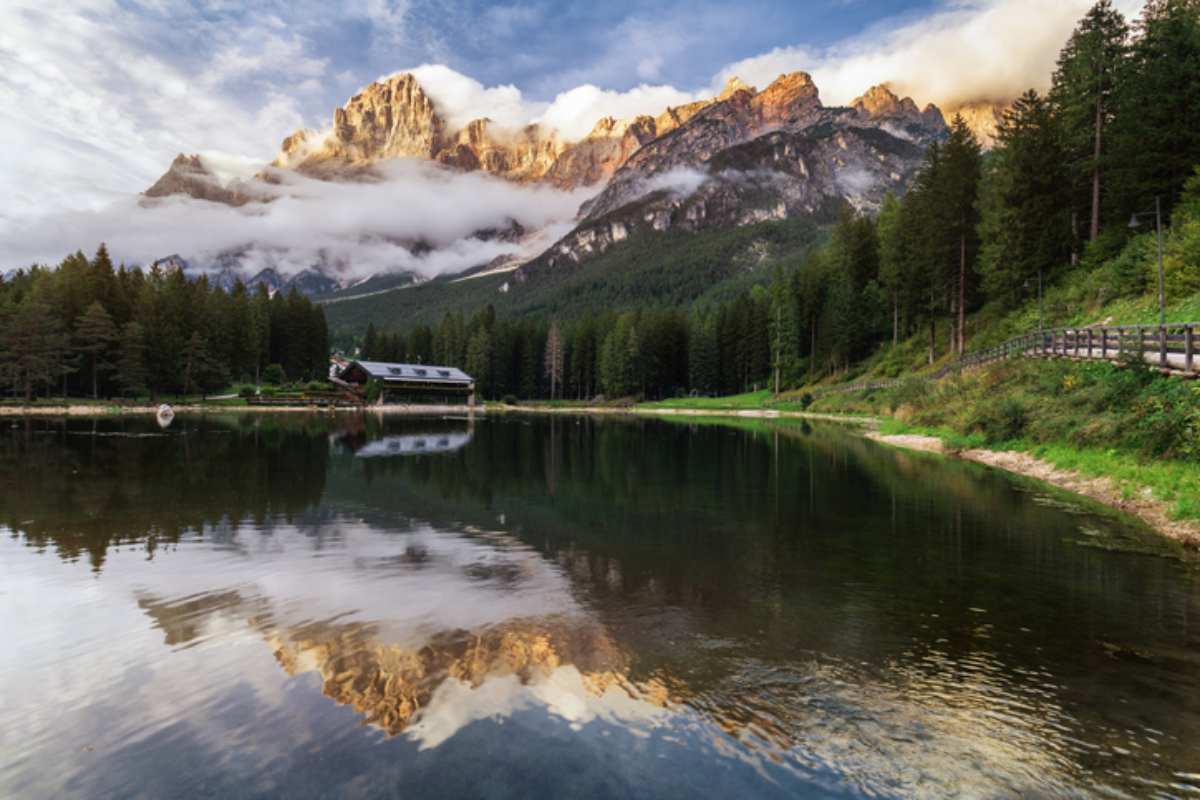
755 156
983 118
741 157
189 175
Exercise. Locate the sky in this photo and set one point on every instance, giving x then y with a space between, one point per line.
97 96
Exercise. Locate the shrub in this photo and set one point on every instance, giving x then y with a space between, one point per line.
806 400
274 375
374 390
246 392
509 400
316 386
1001 420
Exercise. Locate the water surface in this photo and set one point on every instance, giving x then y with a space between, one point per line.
555 607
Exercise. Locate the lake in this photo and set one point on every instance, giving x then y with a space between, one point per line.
532 606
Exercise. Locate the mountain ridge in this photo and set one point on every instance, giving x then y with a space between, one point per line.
694 166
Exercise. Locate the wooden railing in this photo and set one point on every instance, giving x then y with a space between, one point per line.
1172 348
322 399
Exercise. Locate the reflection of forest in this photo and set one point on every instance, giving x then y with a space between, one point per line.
82 486
745 573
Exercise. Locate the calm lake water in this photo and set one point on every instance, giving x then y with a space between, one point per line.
533 607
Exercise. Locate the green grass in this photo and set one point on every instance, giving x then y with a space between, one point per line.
749 400
1175 483
1140 429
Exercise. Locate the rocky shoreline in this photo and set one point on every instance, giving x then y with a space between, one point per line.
1142 505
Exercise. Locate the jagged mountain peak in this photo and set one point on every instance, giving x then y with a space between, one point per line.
189 175
880 100
733 85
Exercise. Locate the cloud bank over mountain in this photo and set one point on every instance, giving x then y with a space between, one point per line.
416 218
98 97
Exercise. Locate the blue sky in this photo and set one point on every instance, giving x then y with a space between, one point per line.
97 96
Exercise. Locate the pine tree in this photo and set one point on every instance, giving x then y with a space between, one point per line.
33 347
479 361
1158 126
95 334
1025 224
201 371
1084 95
892 258
960 192
132 375
554 358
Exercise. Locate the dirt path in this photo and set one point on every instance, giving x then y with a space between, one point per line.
1105 490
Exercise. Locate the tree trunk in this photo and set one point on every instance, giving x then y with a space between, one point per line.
1074 237
932 336
1095 232
895 321
95 381
962 294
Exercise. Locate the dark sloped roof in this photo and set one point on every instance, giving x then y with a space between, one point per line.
425 373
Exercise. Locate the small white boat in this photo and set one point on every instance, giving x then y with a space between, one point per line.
164 415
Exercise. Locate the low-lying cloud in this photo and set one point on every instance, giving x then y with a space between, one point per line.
970 51
419 217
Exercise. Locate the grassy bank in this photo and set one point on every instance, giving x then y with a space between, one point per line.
1128 424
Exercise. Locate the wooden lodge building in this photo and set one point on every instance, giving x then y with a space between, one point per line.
409 384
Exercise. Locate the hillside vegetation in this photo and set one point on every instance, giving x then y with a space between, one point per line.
954 265
648 270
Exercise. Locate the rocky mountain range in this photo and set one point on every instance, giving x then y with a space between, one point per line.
743 156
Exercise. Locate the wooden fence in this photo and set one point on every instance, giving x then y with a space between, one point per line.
319 399
1171 348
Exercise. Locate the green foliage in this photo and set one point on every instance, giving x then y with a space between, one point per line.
374 390
274 375
89 328
1000 419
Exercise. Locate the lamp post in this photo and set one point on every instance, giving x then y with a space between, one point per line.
1135 222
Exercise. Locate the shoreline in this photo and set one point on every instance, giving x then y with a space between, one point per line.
101 409
1104 490
1142 504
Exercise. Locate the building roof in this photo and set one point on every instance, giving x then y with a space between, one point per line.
414 445
424 373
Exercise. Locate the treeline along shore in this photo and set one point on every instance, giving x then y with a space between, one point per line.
88 329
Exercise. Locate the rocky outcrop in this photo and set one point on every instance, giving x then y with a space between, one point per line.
900 116
791 102
982 117
778 175
188 175
388 119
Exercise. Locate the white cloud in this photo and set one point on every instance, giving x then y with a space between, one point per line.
461 99
95 102
971 50
101 111
573 113
680 181
361 228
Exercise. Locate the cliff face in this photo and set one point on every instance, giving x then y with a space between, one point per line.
755 156
740 157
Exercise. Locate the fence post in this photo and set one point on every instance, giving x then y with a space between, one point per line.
1089 353
1162 345
1189 347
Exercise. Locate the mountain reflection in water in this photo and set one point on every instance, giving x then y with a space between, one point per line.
555 606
